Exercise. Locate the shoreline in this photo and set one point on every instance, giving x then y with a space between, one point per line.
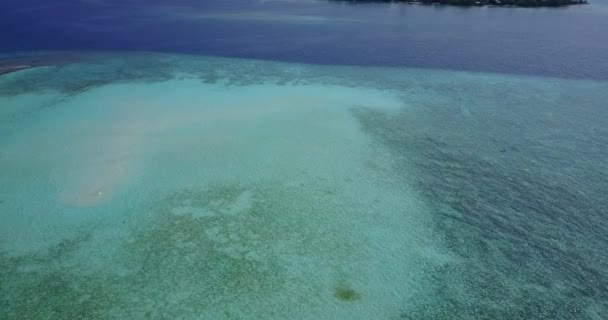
13 68
23 62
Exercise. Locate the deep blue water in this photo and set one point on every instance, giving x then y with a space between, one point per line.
562 42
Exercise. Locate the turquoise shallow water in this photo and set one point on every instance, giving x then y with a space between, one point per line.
148 186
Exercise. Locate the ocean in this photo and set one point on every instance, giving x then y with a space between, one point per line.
302 160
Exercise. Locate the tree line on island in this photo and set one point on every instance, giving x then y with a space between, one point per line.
517 3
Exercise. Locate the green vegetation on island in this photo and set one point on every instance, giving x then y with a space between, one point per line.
516 3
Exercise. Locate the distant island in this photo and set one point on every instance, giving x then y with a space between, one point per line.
9 64
471 3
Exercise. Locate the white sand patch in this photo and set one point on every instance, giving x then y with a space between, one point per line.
103 147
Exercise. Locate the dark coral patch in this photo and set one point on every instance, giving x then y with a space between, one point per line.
347 294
